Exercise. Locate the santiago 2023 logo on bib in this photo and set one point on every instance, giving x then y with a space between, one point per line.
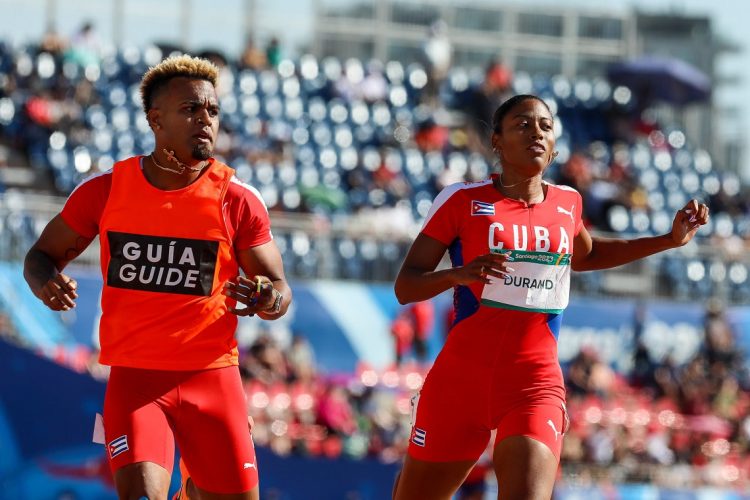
159 264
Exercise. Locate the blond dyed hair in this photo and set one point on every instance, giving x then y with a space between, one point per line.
174 67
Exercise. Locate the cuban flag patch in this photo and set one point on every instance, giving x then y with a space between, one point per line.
482 208
117 446
418 436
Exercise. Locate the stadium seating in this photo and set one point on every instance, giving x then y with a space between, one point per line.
309 139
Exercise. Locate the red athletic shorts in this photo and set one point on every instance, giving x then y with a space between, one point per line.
497 370
204 411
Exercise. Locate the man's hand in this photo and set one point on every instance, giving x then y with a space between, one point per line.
258 295
59 293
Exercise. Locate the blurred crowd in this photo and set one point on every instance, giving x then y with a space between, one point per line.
360 124
297 410
673 425
365 146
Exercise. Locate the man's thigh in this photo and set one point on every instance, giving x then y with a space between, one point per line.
211 428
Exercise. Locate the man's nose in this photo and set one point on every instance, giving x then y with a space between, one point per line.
203 116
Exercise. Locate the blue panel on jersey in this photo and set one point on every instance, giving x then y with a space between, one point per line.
554 321
454 252
464 301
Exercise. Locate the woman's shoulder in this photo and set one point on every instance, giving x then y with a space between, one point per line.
461 188
563 188
453 196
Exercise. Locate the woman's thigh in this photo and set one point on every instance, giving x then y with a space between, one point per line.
525 469
422 480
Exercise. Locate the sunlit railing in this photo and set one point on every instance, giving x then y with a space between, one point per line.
356 247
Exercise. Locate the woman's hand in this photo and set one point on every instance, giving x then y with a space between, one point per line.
687 221
482 269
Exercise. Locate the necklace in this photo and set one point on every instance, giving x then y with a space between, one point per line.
172 157
506 186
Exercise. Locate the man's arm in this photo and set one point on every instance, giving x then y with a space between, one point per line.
57 245
267 293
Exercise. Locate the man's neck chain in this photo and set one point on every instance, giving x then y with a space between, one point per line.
173 158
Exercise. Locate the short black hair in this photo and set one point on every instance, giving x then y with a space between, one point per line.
504 109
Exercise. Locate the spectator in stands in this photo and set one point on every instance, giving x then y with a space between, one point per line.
642 375
412 328
600 444
431 136
695 388
273 52
171 291
335 411
374 87
667 378
403 335
301 360
265 362
438 53
719 338
85 46
225 80
504 326
52 42
587 374
480 101
252 57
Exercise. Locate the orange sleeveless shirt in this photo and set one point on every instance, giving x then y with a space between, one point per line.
165 256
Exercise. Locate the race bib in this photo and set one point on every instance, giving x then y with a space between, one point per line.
540 283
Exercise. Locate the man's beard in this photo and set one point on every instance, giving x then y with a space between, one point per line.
202 152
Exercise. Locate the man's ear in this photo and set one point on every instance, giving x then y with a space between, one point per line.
153 117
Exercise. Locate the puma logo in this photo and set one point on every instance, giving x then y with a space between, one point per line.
249 465
554 429
569 213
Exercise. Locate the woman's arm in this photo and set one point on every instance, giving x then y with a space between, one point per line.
591 253
417 280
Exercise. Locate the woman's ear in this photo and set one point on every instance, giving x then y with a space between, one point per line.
495 144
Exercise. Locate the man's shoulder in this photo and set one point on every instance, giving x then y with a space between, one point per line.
240 192
96 183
